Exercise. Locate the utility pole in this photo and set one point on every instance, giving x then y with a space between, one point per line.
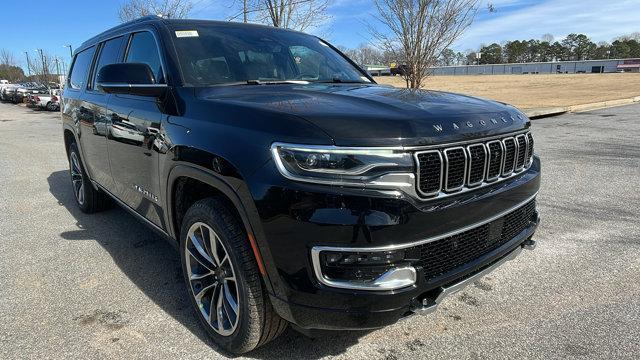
70 51
64 70
244 10
28 64
44 68
58 70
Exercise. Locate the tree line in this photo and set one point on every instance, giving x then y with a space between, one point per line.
574 47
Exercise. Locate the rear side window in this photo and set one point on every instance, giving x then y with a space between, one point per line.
143 49
80 68
109 54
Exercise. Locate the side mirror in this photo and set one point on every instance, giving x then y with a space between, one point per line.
129 78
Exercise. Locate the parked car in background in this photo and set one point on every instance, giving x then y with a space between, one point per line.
398 70
49 101
2 87
23 92
9 91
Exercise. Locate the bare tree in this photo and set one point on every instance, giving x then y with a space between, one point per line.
133 9
548 38
9 69
43 66
365 55
298 15
7 57
418 31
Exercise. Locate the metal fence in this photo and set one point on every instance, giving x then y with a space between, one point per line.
560 67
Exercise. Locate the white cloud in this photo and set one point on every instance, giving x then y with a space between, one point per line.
595 18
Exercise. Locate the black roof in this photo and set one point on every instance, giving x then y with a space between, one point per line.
152 19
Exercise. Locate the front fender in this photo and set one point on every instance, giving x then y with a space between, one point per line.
240 198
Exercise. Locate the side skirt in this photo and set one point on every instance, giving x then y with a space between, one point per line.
141 218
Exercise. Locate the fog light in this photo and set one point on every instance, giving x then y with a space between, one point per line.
364 270
362 258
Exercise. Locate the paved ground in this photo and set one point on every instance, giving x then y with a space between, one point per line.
103 286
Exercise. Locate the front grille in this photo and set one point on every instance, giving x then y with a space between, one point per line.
509 155
444 255
456 165
529 147
430 174
521 140
494 169
451 169
477 164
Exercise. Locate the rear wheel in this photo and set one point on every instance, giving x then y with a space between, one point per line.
223 280
88 198
50 106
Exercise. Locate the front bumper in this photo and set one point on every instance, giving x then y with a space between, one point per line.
422 298
294 221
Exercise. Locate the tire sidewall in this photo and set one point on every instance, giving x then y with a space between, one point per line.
73 148
200 214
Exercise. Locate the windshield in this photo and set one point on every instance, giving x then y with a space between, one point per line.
217 55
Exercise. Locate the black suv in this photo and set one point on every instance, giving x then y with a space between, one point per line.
297 190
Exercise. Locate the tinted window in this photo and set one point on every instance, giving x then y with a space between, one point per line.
223 54
309 63
108 55
143 50
80 68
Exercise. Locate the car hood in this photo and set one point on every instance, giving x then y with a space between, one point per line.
374 115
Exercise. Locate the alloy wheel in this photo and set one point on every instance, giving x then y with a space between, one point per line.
212 279
77 178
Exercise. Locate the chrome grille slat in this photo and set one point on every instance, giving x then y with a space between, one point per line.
530 144
428 184
521 153
452 169
455 168
477 164
496 158
510 150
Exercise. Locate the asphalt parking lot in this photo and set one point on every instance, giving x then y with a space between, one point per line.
104 286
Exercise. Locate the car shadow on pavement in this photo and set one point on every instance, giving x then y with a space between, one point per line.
153 265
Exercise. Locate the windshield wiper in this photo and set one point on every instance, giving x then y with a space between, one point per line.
340 81
276 82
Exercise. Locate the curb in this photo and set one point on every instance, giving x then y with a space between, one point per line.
553 111
544 112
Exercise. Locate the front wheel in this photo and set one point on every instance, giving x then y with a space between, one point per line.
223 280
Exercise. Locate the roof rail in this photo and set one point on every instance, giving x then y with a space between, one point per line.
120 26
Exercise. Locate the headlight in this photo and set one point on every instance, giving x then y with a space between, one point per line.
360 167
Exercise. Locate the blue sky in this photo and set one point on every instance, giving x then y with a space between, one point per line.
51 25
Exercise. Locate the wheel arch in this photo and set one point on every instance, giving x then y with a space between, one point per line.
69 138
205 182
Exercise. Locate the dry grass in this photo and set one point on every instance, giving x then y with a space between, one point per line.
535 91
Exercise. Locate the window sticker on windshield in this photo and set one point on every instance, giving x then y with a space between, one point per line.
187 33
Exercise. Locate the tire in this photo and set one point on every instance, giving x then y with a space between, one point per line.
254 321
88 198
50 106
